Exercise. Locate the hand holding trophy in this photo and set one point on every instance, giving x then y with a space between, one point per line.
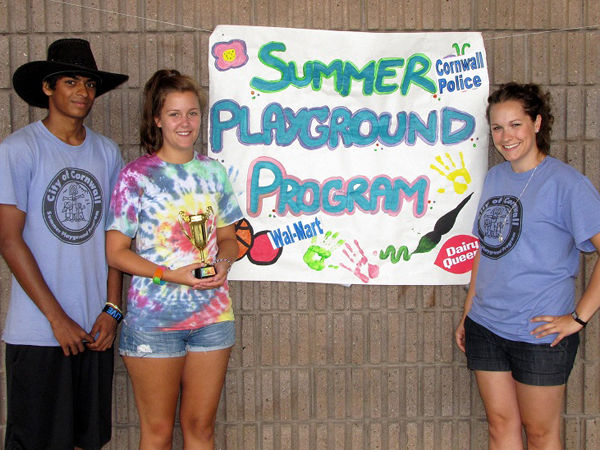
199 238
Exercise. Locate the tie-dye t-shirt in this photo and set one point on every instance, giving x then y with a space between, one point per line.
145 205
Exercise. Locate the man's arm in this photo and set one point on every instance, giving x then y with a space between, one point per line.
24 267
105 325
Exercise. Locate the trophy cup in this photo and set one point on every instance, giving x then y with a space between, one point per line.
199 238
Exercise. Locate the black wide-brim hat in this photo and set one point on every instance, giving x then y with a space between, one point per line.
65 55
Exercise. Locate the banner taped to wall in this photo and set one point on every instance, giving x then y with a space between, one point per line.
355 157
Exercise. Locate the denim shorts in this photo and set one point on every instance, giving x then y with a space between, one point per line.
532 364
173 344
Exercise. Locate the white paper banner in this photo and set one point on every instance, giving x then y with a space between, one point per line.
356 157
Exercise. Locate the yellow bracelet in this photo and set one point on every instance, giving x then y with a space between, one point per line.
114 306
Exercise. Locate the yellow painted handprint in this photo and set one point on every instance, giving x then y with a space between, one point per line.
460 176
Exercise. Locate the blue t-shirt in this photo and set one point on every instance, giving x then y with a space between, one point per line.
146 205
530 245
65 192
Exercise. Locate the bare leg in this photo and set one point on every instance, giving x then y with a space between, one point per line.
156 383
541 408
498 391
202 383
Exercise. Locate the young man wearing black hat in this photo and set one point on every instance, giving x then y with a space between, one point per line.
56 177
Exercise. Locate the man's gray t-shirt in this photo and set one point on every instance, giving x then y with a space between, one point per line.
65 192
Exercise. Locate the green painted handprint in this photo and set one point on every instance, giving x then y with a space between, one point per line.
316 255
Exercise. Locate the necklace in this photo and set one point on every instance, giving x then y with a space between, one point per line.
500 236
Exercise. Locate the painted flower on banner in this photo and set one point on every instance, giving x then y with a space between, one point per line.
230 55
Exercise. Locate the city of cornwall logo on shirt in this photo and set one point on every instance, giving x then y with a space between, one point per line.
72 205
499 225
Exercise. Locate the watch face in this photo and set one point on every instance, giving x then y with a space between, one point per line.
577 319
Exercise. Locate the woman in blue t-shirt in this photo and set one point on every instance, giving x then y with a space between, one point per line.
520 325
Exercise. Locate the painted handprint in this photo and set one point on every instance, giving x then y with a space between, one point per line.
364 270
452 173
316 255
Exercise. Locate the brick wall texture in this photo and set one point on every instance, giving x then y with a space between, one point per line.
323 366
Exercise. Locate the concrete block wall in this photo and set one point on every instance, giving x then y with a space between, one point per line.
323 366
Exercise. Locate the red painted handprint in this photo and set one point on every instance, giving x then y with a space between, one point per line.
364 270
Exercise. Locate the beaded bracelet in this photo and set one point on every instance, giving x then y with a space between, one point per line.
225 259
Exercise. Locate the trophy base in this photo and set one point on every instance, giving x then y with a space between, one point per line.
205 272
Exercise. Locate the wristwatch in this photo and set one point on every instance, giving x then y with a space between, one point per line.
578 319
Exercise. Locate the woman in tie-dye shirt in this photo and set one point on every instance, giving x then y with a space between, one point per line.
179 329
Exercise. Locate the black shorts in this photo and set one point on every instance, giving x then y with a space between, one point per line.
56 401
532 364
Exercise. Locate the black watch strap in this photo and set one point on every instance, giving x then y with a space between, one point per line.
578 319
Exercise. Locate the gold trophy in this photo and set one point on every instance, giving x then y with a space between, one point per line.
199 238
